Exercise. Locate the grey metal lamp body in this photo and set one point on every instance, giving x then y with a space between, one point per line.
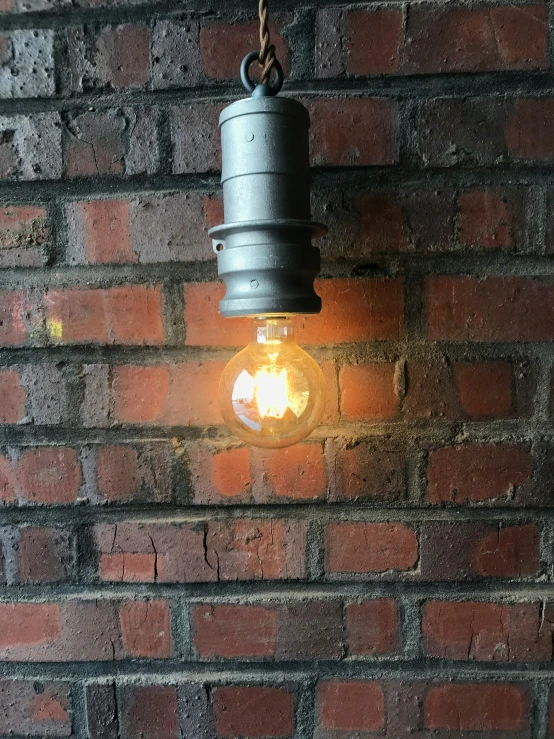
264 248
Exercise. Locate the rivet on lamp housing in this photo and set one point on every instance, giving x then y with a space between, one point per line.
272 393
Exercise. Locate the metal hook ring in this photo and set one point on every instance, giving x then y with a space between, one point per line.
274 87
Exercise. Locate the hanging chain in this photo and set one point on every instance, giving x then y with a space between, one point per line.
266 56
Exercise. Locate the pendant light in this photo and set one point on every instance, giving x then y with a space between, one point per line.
272 393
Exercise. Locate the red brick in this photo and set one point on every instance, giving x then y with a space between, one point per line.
365 471
486 631
119 315
292 631
253 711
27 624
257 550
331 415
147 229
470 549
158 395
7 480
476 39
355 310
528 129
220 475
420 221
24 230
372 627
18 317
476 707
48 475
29 708
511 551
126 472
146 629
310 630
165 553
297 473
236 550
205 325
353 131
369 392
370 547
486 220
489 309
84 630
149 712
43 555
105 229
235 631
121 57
374 39
461 390
12 397
122 141
223 46
477 472
352 705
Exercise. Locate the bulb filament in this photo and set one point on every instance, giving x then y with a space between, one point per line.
271 391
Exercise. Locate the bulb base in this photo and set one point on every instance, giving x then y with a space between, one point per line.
264 248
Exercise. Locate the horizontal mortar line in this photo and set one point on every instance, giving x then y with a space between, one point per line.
487 590
64 16
377 350
174 670
422 431
424 86
322 512
373 266
356 178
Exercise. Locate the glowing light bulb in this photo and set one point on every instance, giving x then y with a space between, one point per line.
272 393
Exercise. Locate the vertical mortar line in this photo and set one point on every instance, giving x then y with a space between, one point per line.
546 548
306 709
79 705
181 627
56 253
174 313
542 400
300 34
540 708
549 35
61 62
536 218
165 141
315 551
410 615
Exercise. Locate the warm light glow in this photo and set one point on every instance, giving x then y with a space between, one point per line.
271 391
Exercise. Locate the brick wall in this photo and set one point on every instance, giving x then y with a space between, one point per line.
392 575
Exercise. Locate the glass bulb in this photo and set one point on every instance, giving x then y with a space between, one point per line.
272 393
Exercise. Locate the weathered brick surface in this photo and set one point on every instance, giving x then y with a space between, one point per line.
387 577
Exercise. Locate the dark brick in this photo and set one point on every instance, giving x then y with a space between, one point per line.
102 718
468 550
175 54
118 142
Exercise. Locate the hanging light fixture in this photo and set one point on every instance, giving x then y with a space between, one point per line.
272 393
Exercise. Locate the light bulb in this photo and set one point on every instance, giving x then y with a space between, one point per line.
272 393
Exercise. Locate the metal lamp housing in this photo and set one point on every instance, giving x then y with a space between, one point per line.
264 248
